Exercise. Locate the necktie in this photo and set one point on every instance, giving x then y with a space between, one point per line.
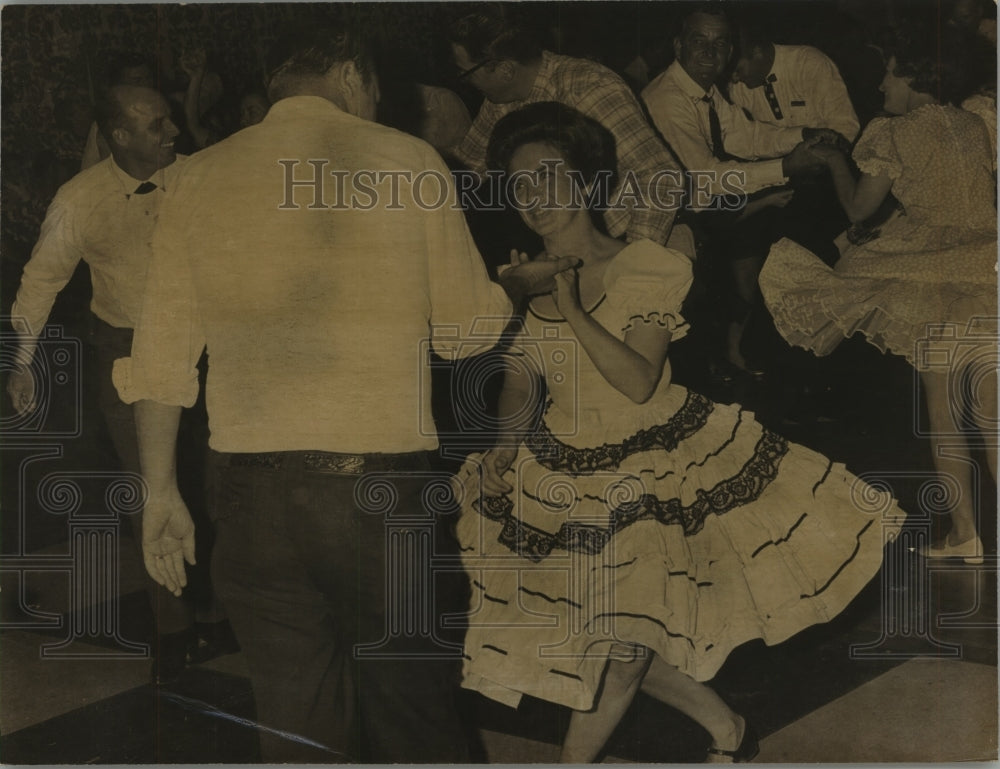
715 130
145 188
772 99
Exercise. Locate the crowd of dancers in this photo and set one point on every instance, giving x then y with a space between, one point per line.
620 532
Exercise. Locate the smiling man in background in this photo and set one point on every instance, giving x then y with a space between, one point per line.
105 216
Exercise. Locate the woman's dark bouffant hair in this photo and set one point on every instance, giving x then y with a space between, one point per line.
937 66
585 145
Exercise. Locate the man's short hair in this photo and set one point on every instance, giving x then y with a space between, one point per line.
308 52
495 31
703 8
109 112
129 67
750 35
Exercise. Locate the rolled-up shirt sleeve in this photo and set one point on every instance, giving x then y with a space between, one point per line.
468 310
168 338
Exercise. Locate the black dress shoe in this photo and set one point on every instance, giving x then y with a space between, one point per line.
170 653
748 748
213 639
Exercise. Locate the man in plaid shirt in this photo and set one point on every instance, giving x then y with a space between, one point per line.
507 64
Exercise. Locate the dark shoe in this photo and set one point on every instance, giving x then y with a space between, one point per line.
748 748
170 656
214 639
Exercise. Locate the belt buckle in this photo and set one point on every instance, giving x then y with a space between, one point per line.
345 464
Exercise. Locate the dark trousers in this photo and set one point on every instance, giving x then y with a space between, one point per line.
813 219
327 580
171 614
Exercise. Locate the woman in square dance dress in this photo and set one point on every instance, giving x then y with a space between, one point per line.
924 285
634 533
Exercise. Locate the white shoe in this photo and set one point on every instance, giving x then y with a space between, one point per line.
970 551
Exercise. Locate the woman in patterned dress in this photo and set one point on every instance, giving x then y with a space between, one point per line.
634 533
925 285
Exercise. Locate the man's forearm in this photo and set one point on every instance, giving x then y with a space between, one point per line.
156 426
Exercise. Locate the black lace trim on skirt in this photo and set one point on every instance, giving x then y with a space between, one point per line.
740 489
553 454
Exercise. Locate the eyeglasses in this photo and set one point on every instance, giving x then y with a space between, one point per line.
466 72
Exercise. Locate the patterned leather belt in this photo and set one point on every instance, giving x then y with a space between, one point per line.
330 462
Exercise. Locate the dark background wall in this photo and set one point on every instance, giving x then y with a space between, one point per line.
53 57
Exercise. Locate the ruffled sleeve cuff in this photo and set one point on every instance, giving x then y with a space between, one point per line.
876 153
647 284
672 321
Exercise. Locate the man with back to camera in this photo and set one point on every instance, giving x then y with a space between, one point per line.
314 300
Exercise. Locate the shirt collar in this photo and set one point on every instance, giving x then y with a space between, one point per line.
292 106
540 88
688 85
129 183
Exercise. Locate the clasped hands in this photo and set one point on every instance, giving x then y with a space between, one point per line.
814 152
558 275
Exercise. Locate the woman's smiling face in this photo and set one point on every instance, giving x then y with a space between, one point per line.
546 196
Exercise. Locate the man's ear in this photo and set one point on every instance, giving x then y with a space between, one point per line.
121 136
349 76
677 48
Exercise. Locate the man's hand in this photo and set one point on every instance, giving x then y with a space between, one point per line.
821 135
167 539
801 160
21 388
495 463
527 277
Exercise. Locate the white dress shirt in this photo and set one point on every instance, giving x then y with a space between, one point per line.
809 91
676 104
97 217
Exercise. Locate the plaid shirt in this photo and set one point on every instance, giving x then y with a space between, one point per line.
600 94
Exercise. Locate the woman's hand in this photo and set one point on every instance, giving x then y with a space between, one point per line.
567 293
495 463
826 153
531 277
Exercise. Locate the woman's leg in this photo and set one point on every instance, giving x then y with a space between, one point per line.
698 701
983 409
589 730
957 465
745 272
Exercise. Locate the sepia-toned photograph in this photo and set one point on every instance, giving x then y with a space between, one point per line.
512 383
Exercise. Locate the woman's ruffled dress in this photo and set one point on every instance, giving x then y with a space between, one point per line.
678 524
924 285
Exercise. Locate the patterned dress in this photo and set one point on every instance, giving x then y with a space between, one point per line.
929 278
678 524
